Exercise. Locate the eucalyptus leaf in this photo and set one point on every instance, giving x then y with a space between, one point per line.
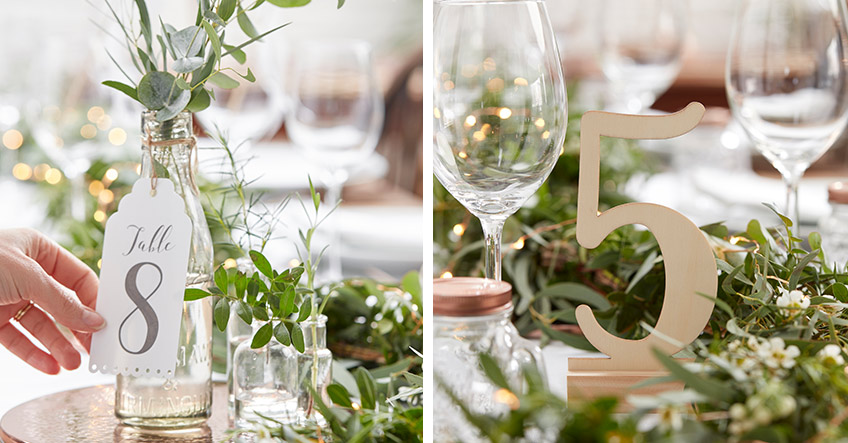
175 107
155 89
226 9
187 42
290 3
213 39
214 18
126 89
223 81
237 54
199 100
339 395
245 24
186 65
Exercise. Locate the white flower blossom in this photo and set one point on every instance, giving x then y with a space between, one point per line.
670 418
775 354
831 355
793 299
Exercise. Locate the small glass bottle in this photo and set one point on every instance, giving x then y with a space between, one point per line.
184 399
264 382
472 316
834 227
237 332
315 367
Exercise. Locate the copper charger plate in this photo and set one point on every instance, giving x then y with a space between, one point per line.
87 415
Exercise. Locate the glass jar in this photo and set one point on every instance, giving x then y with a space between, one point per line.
314 370
834 227
264 382
472 316
184 399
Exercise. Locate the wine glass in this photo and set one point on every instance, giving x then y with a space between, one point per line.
500 108
337 114
252 112
786 82
641 42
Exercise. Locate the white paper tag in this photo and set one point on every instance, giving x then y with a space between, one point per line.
142 281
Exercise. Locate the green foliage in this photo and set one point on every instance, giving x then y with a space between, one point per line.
195 53
770 367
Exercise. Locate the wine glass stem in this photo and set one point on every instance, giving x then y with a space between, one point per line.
791 208
492 229
334 194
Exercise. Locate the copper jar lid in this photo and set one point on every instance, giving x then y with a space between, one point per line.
837 192
470 296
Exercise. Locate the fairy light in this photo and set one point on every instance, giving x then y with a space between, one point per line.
99 216
355 406
489 64
95 188
230 263
106 197
469 71
479 136
462 155
470 121
104 123
562 150
520 81
95 113
436 113
40 171
546 135
448 85
506 397
519 244
459 229
53 176
111 174
117 136
22 171
447 274
505 113
138 169
88 131
486 128
540 123
735 240
13 139
495 85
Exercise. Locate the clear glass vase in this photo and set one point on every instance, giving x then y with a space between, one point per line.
184 399
237 332
264 382
314 373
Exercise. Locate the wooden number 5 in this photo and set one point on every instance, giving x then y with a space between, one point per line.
690 267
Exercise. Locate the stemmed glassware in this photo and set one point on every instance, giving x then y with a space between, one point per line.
786 82
500 108
336 115
641 42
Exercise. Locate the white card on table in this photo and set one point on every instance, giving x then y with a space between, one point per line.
142 281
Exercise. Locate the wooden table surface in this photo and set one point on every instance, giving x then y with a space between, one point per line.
87 415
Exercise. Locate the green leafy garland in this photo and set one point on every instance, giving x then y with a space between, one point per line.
770 366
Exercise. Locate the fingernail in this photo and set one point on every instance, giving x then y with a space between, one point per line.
93 319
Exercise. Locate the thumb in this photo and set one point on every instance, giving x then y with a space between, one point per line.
59 301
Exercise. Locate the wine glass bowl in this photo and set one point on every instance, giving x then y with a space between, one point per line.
500 107
338 111
641 42
786 82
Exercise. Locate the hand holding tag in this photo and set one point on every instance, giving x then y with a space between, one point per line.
142 279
